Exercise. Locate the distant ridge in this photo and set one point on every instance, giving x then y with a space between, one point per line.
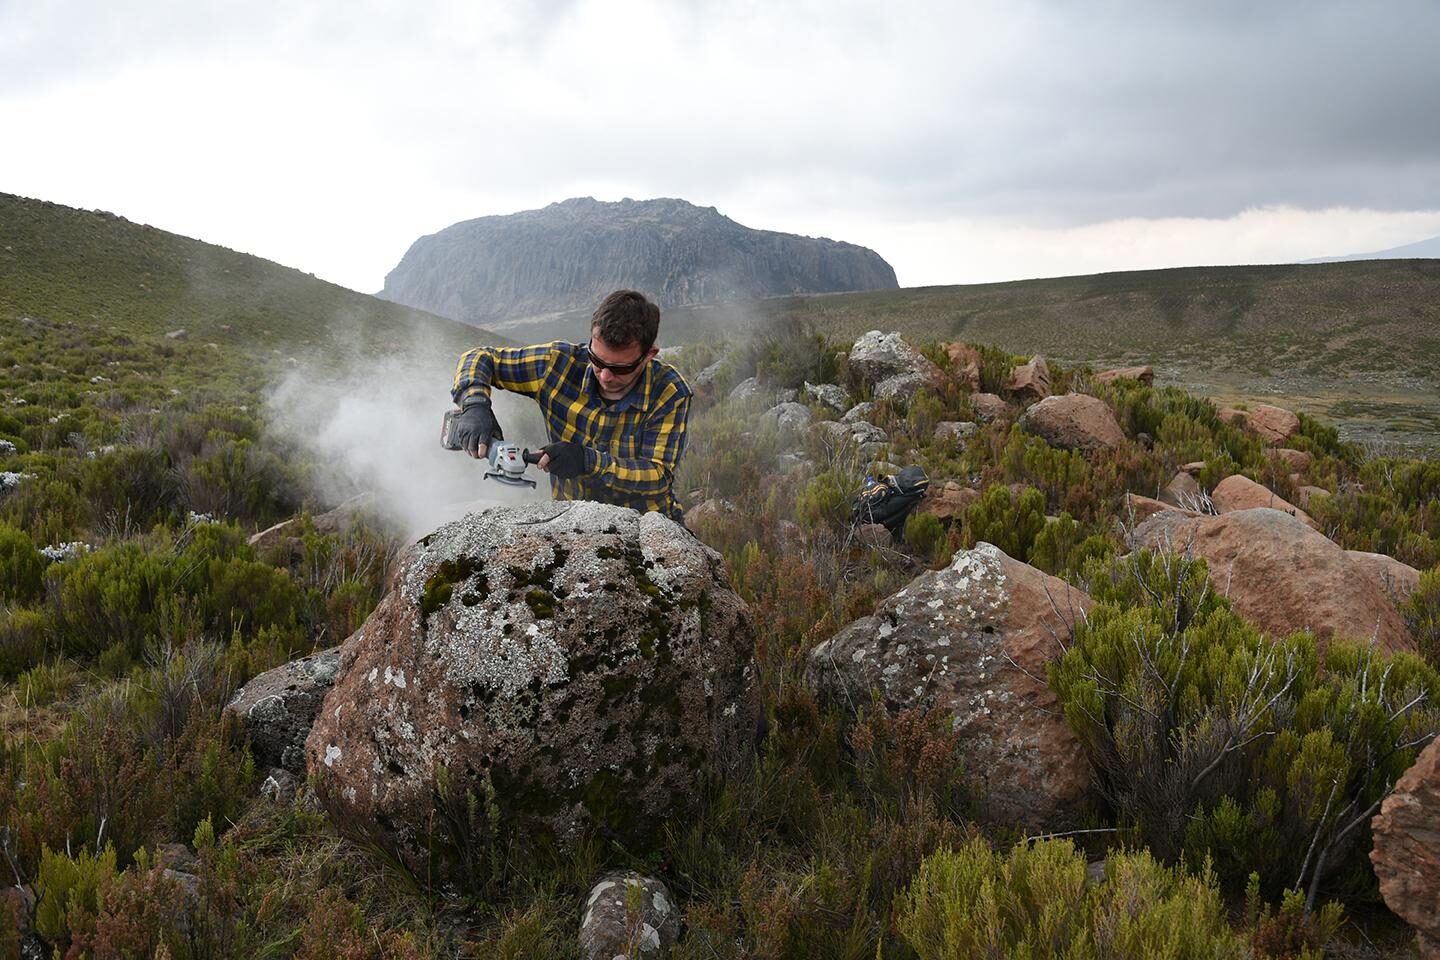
1419 250
570 254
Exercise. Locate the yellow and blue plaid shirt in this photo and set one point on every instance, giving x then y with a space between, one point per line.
632 445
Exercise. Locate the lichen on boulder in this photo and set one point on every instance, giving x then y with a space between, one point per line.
538 672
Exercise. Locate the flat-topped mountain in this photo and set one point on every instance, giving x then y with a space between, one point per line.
570 254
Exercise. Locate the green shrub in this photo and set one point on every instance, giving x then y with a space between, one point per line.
67 889
1010 523
926 536
22 641
1210 738
21 567
1034 902
1421 611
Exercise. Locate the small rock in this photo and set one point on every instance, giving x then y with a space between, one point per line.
957 430
1295 461
177 335
1074 421
965 361
630 916
1274 425
789 416
828 394
990 407
861 411
280 785
1183 491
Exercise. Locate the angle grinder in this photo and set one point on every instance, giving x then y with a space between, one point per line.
507 460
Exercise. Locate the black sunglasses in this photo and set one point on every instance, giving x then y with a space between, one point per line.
620 368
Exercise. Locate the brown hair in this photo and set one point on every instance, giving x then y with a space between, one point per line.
626 317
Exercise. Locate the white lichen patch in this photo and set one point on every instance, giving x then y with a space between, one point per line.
395 676
332 753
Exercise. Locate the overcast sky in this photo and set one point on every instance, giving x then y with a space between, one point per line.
964 142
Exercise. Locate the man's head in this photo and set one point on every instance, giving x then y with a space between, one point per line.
622 340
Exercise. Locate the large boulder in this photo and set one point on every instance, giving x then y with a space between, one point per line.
1074 421
974 639
1281 575
829 395
1406 856
1271 424
1184 491
947 501
1239 492
1397 579
566 665
789 416
278 708
895 369
1030 381
990 407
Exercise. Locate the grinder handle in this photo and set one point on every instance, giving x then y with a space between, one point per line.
531 456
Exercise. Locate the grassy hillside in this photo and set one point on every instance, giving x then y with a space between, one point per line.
96 271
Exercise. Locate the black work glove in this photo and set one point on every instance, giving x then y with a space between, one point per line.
567 459
476 426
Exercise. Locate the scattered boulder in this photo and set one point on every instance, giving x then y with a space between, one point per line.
1397 579
628 915
861 411
1145 375
1074 421
974 639
874 535
1183 491
1271 424
178 335
1194 468
857 432
1406 855
1138 509
947 501
1306 494
750 389
577 665
1281 575
280 785
990 407
712 510
793 461
829 395
965 361
1239 492
1294 461
1029 381
278 708
879 356
956 430
789 416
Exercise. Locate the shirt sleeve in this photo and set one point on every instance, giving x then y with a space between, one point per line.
652 472
517 369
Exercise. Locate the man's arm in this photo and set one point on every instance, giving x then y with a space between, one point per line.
653 471
517 369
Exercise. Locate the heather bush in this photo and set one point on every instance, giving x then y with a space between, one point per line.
1421 611
1008 521
1035 902
1210 739
22 641
21 567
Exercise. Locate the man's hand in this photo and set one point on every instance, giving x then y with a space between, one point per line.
565 460
476 426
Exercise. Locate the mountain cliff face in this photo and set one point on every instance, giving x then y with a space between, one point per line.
571 254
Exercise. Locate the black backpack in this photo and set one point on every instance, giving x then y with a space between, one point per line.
889 499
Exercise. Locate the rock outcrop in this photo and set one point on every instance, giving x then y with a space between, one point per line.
1281 575
568 665
974 639
569 255
1074 421
1406 856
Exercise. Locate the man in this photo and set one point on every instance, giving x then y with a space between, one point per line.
615 415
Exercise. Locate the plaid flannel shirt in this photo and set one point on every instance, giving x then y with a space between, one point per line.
632 445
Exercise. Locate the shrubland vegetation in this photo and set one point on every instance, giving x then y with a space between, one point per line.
1238 770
